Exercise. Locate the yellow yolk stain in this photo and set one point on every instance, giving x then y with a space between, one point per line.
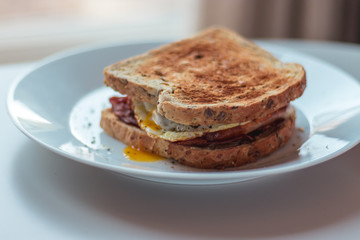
148 122
135 154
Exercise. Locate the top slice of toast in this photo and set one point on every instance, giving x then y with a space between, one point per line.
216 76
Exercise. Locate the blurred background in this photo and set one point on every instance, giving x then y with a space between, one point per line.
33 29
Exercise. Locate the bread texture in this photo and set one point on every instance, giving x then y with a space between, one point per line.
231 156
214 77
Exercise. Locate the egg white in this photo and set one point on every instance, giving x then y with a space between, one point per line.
145 112
148 120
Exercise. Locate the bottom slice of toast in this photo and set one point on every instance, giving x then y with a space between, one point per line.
230 155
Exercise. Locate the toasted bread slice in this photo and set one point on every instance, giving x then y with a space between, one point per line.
223 157
216 76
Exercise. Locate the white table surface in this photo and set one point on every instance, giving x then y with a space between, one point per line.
46 196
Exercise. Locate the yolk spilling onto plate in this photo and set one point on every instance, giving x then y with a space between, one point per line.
135 154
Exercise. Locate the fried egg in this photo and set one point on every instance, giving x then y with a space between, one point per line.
156 125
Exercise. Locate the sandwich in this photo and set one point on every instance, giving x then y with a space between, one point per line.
214 100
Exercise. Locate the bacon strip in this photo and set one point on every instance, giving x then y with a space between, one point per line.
121 107
232 135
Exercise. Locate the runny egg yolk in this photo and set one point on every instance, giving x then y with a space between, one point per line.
148 122
135 154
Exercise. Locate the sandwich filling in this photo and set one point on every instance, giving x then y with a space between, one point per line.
145 116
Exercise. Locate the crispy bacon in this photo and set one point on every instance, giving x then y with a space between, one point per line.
204 142
121 107
232 136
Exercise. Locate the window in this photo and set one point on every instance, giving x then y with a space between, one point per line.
33 29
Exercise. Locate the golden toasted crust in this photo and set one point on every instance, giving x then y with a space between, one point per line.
194 156
215 77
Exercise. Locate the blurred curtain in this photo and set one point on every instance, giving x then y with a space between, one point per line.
336 20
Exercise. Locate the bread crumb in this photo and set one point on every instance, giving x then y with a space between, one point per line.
300 129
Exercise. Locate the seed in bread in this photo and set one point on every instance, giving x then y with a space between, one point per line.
215 100
216 76
229 155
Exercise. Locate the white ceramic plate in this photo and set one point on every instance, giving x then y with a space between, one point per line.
58 104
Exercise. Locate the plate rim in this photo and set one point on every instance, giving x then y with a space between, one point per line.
161 175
